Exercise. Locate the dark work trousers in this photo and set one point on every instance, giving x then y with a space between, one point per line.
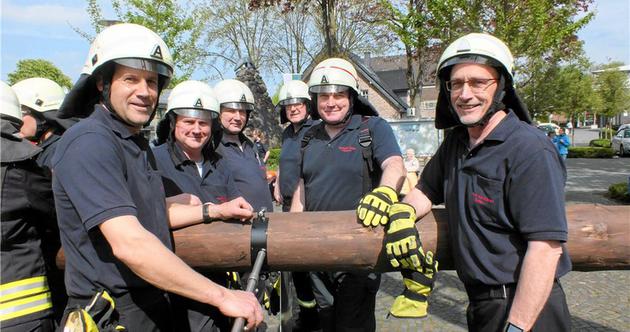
346 301
39 325
488 309
139 312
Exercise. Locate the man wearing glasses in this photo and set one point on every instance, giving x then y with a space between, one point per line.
502 183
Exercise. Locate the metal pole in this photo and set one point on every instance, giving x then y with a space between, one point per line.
252 281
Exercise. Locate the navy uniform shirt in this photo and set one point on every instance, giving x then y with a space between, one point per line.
504 192
102 171
48 146
248 171
332 169
181 175
290 161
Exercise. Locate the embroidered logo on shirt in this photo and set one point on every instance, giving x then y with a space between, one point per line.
480 199
222 199
347 148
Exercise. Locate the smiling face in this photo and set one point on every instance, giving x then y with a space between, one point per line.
472 104
191 133
333 106
133 94
233 120
296 113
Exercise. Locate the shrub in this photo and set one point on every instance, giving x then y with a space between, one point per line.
274 159
619 191
601 143
590 152
606 132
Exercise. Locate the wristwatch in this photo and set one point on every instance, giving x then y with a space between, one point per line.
205 211
509 327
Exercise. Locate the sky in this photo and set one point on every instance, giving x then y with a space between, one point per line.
31 29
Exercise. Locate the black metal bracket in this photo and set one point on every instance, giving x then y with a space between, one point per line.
259 235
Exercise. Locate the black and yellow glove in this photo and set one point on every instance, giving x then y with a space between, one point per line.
412 303
402 240
98 316
373 208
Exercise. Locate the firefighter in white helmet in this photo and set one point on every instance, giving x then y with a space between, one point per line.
236 103
293 108
495 173
189 164
113 215
26 208
40 99
350 160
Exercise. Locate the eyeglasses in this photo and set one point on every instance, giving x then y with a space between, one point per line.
475 84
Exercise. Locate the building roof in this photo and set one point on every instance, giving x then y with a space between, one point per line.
370 76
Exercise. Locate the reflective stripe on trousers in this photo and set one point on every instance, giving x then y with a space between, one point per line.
24 297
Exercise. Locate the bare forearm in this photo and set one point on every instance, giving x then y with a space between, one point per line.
297 202
419 201
182 215
147 257
535 282
394 173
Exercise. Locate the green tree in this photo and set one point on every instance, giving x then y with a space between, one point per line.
30 68
611 86
180 28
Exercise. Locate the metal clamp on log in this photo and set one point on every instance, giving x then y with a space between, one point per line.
259 236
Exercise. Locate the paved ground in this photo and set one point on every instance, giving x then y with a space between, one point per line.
598 301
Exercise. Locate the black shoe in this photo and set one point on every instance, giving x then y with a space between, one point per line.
307 321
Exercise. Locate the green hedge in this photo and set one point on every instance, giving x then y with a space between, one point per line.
601 143
607 132
274 158
590 152
619 191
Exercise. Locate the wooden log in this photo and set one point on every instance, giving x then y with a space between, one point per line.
599 239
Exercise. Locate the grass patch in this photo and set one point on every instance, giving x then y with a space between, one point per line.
590 152
619 191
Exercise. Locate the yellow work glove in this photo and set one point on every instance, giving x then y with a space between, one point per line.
402 240
412 303
373 208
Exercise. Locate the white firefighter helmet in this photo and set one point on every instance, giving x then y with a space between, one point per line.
130 45
10 103
292 92
126 44
478 48
193 99
484 49
234 94
39 94
333 75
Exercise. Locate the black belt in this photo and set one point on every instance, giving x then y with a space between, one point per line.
479 292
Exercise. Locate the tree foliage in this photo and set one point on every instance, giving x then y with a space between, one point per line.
612 87
30 68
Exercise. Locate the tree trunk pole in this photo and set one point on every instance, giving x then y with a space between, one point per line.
599 239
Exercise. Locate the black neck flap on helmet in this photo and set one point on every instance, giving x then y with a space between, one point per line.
505 96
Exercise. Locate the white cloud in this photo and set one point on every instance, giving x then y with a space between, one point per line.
44 14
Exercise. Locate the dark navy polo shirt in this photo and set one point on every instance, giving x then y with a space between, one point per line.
103 171
504 192
249 172
181 175
290 161
332 169
44 159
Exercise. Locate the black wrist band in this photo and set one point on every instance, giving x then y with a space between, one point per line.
205 211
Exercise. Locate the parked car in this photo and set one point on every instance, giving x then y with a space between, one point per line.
548 127
623 126
621 142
